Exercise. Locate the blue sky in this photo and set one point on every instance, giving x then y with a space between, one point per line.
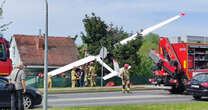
65 16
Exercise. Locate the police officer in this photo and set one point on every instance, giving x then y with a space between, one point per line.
86 76
125 76
92 75
73 77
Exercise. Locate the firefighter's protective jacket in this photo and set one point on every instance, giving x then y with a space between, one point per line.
73 75
92 71
125 74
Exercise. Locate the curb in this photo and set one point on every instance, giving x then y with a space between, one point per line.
93 90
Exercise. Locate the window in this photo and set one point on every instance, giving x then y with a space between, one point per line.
2 83
202 78
2 52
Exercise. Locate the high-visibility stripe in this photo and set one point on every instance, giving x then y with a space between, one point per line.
161 51
184 64
4 73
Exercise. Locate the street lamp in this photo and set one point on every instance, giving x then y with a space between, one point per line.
45 95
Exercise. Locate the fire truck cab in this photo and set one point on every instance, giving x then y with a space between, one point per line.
5 61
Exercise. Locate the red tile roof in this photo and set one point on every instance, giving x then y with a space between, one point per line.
61 50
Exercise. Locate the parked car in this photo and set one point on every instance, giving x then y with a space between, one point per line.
31 97
198 86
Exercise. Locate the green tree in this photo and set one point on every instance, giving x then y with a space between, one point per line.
99 34
149 41
96 30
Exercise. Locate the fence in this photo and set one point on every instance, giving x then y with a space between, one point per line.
37 82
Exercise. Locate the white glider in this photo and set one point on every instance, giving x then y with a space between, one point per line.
117 71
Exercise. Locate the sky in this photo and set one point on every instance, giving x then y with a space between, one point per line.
65 16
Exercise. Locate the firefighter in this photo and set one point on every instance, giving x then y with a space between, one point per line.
125 76
73 77
92 75
86 76
49 81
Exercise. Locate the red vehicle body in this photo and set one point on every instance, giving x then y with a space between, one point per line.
5 61
177 63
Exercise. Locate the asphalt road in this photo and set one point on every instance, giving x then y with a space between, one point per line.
115 98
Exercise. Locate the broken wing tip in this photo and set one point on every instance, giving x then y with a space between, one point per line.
182 14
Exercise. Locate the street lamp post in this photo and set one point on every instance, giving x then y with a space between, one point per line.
45 97
102 67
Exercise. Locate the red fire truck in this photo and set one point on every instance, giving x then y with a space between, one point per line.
177 62
5 61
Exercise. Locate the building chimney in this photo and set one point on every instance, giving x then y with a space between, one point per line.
39 41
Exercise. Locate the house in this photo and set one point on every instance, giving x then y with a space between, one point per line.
29 50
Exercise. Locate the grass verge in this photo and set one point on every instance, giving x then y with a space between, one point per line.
179 106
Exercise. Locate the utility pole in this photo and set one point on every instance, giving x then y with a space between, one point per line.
45 95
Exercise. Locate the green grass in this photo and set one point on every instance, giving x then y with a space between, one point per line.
179 106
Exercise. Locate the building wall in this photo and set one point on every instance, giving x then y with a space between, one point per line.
14 54
189 39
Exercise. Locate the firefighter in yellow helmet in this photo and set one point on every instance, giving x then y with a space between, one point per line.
49 81
125 76
86 76
92 75
73 77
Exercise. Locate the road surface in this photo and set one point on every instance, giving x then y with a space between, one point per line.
115 98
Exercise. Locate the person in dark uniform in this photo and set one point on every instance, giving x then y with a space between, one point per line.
86 76
81 76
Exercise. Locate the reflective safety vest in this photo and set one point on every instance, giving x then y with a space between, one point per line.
73 77
125 74
92 71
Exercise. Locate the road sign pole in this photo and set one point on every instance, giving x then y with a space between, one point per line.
103 54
